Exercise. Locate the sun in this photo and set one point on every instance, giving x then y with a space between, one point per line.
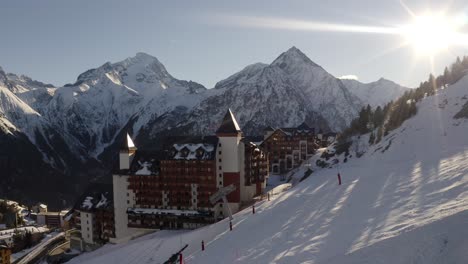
431 33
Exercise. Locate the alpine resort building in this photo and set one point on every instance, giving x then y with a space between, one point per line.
171 188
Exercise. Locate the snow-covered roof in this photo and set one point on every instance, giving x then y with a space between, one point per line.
30 229
99 202
191 151
162 211
145 168
102 202
96 196
145 163
87 203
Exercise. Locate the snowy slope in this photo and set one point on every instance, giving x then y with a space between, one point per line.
34 93
376 93
326 94
17 112
404 201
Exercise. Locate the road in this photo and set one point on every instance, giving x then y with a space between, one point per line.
41 249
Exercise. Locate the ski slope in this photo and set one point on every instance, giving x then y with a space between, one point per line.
404 201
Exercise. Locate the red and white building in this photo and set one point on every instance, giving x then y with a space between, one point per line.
171 189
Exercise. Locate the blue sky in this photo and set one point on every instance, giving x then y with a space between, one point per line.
55 41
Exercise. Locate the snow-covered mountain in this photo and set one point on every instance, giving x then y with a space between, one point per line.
91 112
81 122
290 90
34 93
376 93
403 201
17 94
103 100
31 150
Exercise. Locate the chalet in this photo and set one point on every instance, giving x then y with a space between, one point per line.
170 189
288 147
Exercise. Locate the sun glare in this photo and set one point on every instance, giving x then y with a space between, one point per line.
431 33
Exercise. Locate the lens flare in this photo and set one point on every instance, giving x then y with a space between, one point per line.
431 33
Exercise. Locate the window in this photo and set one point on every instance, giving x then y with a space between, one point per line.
220 167
220 183
219 160
219 145
128 202
219 152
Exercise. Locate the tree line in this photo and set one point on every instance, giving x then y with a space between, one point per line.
381 120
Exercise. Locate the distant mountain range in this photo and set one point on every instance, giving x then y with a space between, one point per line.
71 132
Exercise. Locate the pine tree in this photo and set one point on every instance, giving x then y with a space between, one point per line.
447 76
378 117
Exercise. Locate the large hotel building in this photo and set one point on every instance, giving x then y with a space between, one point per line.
171 189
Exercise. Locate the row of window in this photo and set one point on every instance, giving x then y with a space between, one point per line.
186 169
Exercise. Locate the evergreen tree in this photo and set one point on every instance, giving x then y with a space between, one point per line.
447 76
457 71
378 117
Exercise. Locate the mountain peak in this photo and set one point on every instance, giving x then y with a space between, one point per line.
141 64
293 56
143 59
293 49
145 56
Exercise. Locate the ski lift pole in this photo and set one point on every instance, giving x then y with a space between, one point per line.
339 175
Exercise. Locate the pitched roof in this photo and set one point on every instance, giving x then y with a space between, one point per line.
96 196
229 124
303 126
191 144
127 143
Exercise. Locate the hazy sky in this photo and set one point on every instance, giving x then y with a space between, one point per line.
206 41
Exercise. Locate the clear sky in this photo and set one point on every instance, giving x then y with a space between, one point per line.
206 41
